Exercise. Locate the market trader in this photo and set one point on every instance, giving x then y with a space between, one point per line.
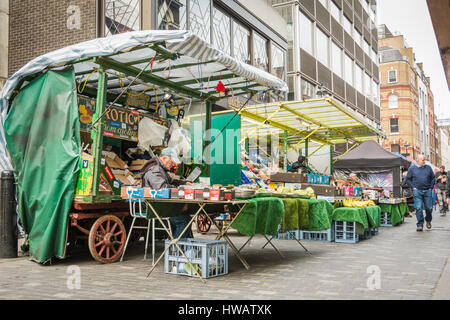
421 178
155 175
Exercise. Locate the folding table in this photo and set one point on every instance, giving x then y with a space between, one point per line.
201 204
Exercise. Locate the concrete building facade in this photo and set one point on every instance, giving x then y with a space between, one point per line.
407 102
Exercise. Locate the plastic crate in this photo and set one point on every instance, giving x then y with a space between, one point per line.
324 235
288 236
345 232
385 220
209 257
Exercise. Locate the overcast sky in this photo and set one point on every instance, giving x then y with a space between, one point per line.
412 19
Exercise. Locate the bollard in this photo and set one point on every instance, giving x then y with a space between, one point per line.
8 216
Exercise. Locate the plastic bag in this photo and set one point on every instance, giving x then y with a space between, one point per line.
179 140
150 133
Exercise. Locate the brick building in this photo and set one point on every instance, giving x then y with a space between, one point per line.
4 22
407 103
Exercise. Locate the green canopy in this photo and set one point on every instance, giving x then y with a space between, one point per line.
42 132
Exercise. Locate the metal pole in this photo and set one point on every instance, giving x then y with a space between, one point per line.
97 130
331 160
306 151
8 216
207 141
285 151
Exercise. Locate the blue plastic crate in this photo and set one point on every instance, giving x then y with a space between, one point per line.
288 236
345 232
208 257
324 235
385 220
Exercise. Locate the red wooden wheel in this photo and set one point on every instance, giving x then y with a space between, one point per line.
203 223
107 239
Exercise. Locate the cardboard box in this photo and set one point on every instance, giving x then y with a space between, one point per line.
174 193
137 165
113 160
198 194
229 195
206 194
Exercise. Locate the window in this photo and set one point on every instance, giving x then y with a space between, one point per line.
392 76
308 90
348 25
122 16
222 31
278 62
375 92
358 37
393 101
241 41
366 48
358 78
322 47
260 52
348 67
367 85
199 18
374 56
306 34
394 125
324 3
172 14
335 11
336 59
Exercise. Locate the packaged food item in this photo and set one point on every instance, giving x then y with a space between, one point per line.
174 193
189 194
206 194
214 194
198 194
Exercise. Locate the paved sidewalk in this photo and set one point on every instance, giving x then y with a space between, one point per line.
412 266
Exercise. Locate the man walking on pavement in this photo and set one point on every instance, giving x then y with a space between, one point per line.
441 184
421 178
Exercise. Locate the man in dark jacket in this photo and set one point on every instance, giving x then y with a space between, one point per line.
421 178
441 184
155 175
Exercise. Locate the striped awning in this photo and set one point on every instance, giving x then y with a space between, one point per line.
167 62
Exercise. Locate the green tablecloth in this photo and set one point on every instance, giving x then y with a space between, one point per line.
373 216
320 215
296 214
359 215
396 211
260 216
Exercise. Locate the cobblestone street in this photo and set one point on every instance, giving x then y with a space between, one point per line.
413 266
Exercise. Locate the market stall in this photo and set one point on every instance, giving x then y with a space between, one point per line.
80 123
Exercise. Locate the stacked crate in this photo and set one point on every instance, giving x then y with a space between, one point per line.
345 232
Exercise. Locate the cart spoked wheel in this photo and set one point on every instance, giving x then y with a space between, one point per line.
203 223
107 239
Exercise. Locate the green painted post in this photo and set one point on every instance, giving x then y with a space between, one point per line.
97 132
285 151
331 160
207 141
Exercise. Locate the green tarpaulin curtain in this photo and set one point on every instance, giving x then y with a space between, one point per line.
42 132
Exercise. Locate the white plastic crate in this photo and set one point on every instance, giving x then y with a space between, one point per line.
324 235
208 257
288 236
345 232
385 220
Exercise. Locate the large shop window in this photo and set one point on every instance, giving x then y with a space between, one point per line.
278 62
172 14
222 31
200 16
241 42
306 33
122 16
322 47
260 52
